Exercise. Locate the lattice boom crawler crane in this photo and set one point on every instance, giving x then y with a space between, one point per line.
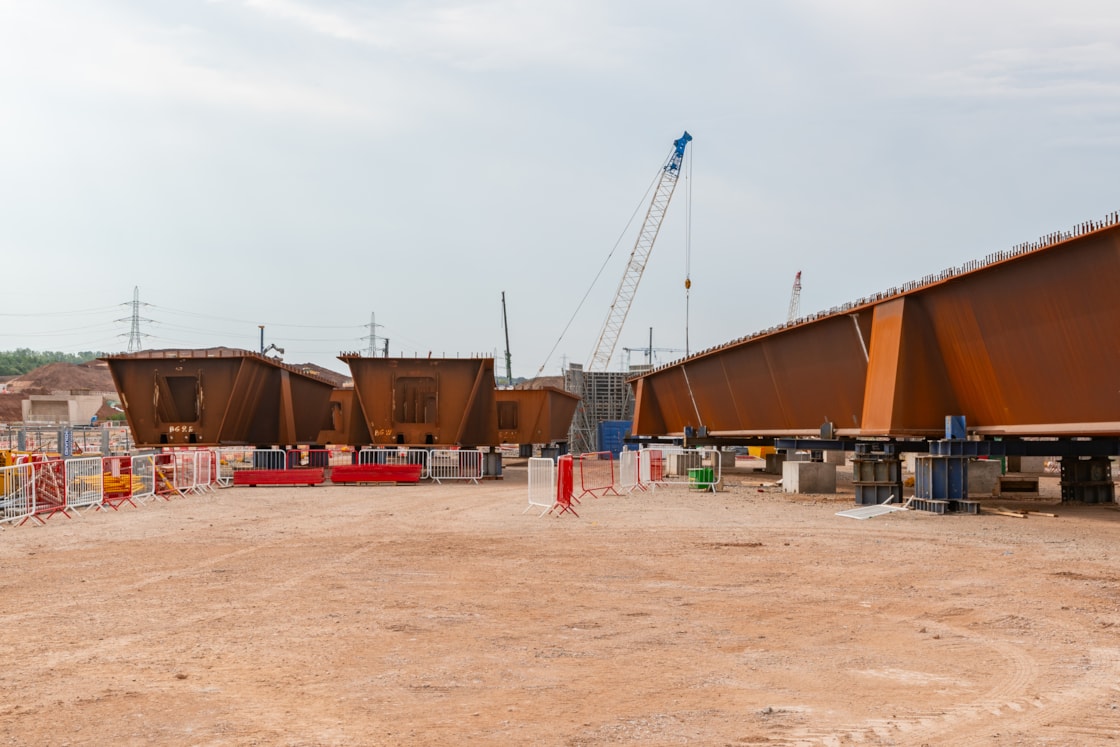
624 296
604 395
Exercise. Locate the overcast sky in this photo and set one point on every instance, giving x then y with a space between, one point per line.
303 165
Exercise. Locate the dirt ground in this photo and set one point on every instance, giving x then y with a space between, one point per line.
444 615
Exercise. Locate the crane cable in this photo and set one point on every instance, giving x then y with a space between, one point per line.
594 280
687 248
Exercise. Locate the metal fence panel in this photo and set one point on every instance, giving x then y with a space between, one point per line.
456 464
542 484
186 474
143 477
397 456
17 492
673 465
329 457
596 473
629 471
269 459
85 483
205 470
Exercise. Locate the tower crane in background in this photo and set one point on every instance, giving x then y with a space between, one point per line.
795 298
624 296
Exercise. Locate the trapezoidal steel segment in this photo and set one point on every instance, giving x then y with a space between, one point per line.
534 416
427 401
1022 343
784 383
217 396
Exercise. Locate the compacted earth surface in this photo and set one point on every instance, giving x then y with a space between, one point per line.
448 615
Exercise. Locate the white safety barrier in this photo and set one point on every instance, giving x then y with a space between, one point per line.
664 466
186 471
231 459
36 488
205 470
542 484
144 477
85 485
17 492
629 471
455 464
394 455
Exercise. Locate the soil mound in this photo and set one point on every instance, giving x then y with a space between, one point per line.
66 377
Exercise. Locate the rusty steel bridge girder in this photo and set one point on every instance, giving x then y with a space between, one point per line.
1023 345
534 416
426 401
218 396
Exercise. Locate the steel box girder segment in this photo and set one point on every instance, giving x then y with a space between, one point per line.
542 415
1022 347
426 401
217 397
779 384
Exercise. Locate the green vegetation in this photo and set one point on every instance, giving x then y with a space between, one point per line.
16 362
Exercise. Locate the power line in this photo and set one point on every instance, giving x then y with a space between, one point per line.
254 323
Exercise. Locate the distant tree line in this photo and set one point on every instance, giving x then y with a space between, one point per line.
17 362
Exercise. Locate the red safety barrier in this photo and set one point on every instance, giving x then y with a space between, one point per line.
564 481
49 476
656 466
163 468
596 472
253 477
355 473
117 480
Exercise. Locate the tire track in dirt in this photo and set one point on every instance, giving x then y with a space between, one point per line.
1065 710
1010 697
1009 682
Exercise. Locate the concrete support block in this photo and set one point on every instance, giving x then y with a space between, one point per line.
983 477
1050 486
724 460
774 463
809 477
835 457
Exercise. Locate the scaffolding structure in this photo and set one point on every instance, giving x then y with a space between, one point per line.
604 395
